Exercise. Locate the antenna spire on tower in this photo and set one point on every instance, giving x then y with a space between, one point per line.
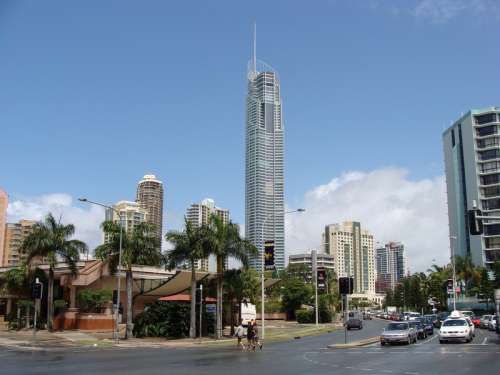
254 57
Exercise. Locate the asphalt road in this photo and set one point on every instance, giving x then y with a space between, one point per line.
302 356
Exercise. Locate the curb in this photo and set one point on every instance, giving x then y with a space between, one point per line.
354 344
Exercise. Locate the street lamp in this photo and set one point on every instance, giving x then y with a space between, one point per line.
454 273
263 264
118 274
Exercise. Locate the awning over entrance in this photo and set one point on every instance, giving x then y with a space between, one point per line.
178 283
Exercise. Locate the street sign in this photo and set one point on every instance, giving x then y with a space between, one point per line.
269 255
321 274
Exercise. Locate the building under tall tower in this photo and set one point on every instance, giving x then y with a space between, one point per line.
391 266
199 214
15 233
131 213
352 250
150 197
264 177
472 166
4 201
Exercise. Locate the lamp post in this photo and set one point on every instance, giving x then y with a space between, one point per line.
454 273
118 274
263 265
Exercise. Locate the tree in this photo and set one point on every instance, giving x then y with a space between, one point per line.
224 242
139 247
294 293
50 239
189 246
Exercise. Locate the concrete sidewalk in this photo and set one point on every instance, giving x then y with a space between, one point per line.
26 340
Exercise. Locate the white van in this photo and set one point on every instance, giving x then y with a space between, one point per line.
248 312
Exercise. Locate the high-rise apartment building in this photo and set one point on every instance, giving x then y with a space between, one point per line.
198 214
264 177
15 233
150 197
352 251
324 261
472 165
391 266
4 201
131 214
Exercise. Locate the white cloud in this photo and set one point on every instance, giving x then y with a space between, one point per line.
387 203
441 11
87 220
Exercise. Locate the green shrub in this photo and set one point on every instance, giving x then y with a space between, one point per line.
163 319
93 300
305 316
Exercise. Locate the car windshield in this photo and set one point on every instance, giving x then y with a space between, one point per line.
455 323
397 327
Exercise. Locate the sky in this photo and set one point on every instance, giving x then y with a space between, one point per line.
95 94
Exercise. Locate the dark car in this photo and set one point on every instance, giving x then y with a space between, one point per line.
442 316
434 319
354 323
419 328
428 324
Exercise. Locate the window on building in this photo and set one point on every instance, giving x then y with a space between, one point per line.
489 154
487 130
486 118
490 179
492 230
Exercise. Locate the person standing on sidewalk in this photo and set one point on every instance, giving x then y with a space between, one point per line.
239 334
250 335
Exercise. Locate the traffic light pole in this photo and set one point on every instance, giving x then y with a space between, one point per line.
315 275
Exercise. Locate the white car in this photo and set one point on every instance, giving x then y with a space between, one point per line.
471 325
484 321
455 329
492 324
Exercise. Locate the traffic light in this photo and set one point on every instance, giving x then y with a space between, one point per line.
37 291
346 285
475 223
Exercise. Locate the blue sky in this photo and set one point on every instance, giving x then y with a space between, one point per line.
95 94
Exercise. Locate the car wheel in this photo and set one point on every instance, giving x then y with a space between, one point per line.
441 341
382 343
409 340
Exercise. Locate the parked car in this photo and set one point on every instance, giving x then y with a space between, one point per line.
400 332
484 321
354 323
419 327
455 329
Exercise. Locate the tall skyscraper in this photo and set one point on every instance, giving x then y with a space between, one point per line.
150 197
4 201
264 178
391 266
15 233
198 214
471 154
352 250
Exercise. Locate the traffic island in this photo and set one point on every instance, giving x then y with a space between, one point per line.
355 344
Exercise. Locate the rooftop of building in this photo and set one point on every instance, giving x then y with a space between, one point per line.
471 112
150 178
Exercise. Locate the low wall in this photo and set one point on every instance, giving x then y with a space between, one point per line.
273 316
84 321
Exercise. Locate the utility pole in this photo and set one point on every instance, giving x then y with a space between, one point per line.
315 278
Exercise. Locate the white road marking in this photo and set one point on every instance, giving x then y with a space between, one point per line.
484 341
426 341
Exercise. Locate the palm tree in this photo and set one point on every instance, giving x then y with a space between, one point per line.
189 246
225 241
139 247
50 239
234 291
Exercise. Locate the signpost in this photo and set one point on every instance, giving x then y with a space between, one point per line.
346 287
37 296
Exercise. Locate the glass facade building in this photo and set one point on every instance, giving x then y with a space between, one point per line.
264 176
